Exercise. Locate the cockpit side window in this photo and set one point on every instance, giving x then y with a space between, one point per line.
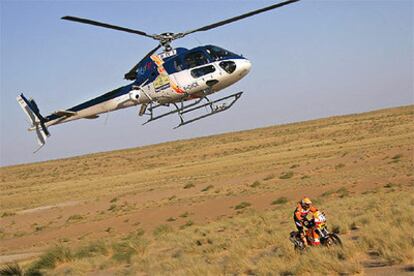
195 59
218 53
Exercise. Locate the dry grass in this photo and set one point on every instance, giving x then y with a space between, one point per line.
257 242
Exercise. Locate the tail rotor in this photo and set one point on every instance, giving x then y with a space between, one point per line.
36 119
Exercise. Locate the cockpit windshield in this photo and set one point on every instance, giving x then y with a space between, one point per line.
218 53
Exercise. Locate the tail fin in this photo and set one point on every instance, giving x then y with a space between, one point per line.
37 120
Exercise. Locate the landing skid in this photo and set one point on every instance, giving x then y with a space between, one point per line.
214 107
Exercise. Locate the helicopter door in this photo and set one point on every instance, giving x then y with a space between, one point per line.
206 74
184 66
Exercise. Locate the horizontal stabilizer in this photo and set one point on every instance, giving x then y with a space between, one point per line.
92 117
41 136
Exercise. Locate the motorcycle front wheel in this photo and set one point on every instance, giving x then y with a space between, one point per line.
333 239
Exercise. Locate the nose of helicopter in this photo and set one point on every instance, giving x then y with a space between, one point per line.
243 67
235 69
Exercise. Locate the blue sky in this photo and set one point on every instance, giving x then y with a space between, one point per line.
311 59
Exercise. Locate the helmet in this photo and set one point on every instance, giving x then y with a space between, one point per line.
306 203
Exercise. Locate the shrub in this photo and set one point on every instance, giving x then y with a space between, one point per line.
39 228
255 184
11 270
396 157
187 224
286 175
162 230
137 234
280 200
242 205
189 185
56 255
342 192
93 249
207 188
328 193
123 252
339 166
74 217
184 215
389 185
7 214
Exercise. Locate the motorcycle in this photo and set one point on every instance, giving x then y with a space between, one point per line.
316 234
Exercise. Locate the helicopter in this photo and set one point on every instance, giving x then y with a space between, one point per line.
179 79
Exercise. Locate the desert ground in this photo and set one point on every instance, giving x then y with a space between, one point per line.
221 204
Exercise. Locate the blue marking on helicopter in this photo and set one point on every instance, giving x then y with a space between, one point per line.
103 98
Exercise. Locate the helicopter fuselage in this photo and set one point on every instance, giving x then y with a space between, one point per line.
170 77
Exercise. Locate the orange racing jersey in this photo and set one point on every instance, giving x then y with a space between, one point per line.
301 213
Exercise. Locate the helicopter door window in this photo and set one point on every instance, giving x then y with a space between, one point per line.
195 59
199 72
178 66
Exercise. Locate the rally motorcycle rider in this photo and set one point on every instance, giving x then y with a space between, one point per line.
303 209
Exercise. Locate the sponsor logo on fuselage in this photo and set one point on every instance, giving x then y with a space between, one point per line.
161 82
191 86
143 69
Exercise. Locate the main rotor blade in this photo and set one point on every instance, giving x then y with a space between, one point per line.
105 25
132 74
230 20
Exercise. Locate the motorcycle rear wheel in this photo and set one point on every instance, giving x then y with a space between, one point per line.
299 247
297 242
